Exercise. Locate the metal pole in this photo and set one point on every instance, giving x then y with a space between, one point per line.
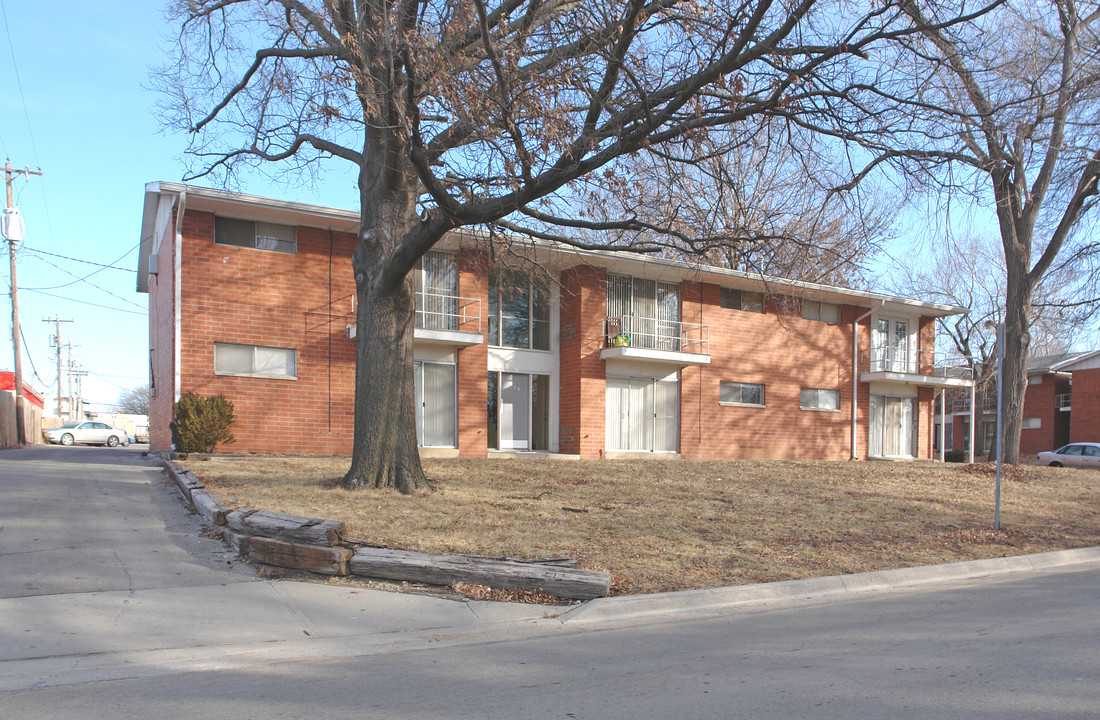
1000 440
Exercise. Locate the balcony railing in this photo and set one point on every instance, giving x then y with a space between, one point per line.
447 312
1061 400
653 334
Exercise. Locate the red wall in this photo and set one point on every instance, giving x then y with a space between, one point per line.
1039 401
1085 416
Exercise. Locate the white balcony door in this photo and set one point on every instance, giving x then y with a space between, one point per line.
651 311
643 414
891 345
436 280
436 404
515 411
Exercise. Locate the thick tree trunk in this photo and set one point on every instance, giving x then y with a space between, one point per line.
384 449
1017 339
385 453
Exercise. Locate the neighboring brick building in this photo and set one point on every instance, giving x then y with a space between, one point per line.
1061 405
598 354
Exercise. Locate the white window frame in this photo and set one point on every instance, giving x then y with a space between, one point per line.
735 299
289 244
817 405
819 311
253 373
724 384
496 310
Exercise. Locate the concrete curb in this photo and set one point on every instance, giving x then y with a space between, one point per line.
716 599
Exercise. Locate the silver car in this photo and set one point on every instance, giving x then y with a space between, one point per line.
1081 455
87 432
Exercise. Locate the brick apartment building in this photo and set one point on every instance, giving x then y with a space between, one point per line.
596 354
1061 405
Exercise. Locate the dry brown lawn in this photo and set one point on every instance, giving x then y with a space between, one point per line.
671 525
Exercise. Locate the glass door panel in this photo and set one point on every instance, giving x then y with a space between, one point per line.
515 411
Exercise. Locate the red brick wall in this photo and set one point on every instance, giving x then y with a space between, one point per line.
582 374
256 297
473 389
1039 401
162 341
785 353
1085 415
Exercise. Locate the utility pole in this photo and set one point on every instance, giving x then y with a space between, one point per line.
13 231
55 342
76 401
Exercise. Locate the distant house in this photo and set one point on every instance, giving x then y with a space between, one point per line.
1061 405
597 354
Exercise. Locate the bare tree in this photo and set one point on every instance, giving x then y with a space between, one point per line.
502 113
970 272
134 401
999 111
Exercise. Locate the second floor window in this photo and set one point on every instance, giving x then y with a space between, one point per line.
519 311
258 235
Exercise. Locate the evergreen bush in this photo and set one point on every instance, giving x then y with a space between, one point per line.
201 423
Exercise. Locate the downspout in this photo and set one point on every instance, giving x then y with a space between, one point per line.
855 372
177 300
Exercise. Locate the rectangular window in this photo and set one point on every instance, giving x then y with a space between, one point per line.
742 300
258 235
819 399
1034 379
822 311
1032 423
739 393
255 361
519 311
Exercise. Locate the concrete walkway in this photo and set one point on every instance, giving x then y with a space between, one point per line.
104 574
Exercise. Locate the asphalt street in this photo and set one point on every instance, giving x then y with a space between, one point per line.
92 625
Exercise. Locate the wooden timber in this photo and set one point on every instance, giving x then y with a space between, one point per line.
208 506
564 582
287 528
323 560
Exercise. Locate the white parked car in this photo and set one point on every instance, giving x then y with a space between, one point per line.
87 432
1082 455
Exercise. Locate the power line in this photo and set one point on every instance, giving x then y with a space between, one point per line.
86 262
83 280
85 302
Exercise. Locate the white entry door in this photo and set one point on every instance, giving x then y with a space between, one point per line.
515 411
643 414
436 404
893 427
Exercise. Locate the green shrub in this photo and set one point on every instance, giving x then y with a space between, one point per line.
955 456
201 423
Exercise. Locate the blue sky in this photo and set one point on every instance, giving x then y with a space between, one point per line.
73 102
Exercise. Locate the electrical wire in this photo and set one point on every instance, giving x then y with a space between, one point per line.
86 262
85 302
83 280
